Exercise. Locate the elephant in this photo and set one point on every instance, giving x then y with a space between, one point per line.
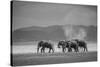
44 45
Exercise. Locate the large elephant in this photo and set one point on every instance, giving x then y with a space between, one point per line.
69 45
82 44
63 45
74 45
44 45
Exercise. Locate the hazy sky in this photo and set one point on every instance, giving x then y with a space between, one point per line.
26 14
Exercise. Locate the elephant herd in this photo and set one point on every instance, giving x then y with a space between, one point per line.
71 45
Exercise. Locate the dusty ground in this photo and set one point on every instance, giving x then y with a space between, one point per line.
37 59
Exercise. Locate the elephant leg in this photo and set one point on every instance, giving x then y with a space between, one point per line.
41 50
37 50
85 49
63 49
77 49
69 49
52 50
49 50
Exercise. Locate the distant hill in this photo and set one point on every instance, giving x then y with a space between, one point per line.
54 33
38 33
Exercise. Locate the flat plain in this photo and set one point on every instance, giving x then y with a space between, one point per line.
52 58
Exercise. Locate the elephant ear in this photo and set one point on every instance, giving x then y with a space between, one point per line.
61 42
